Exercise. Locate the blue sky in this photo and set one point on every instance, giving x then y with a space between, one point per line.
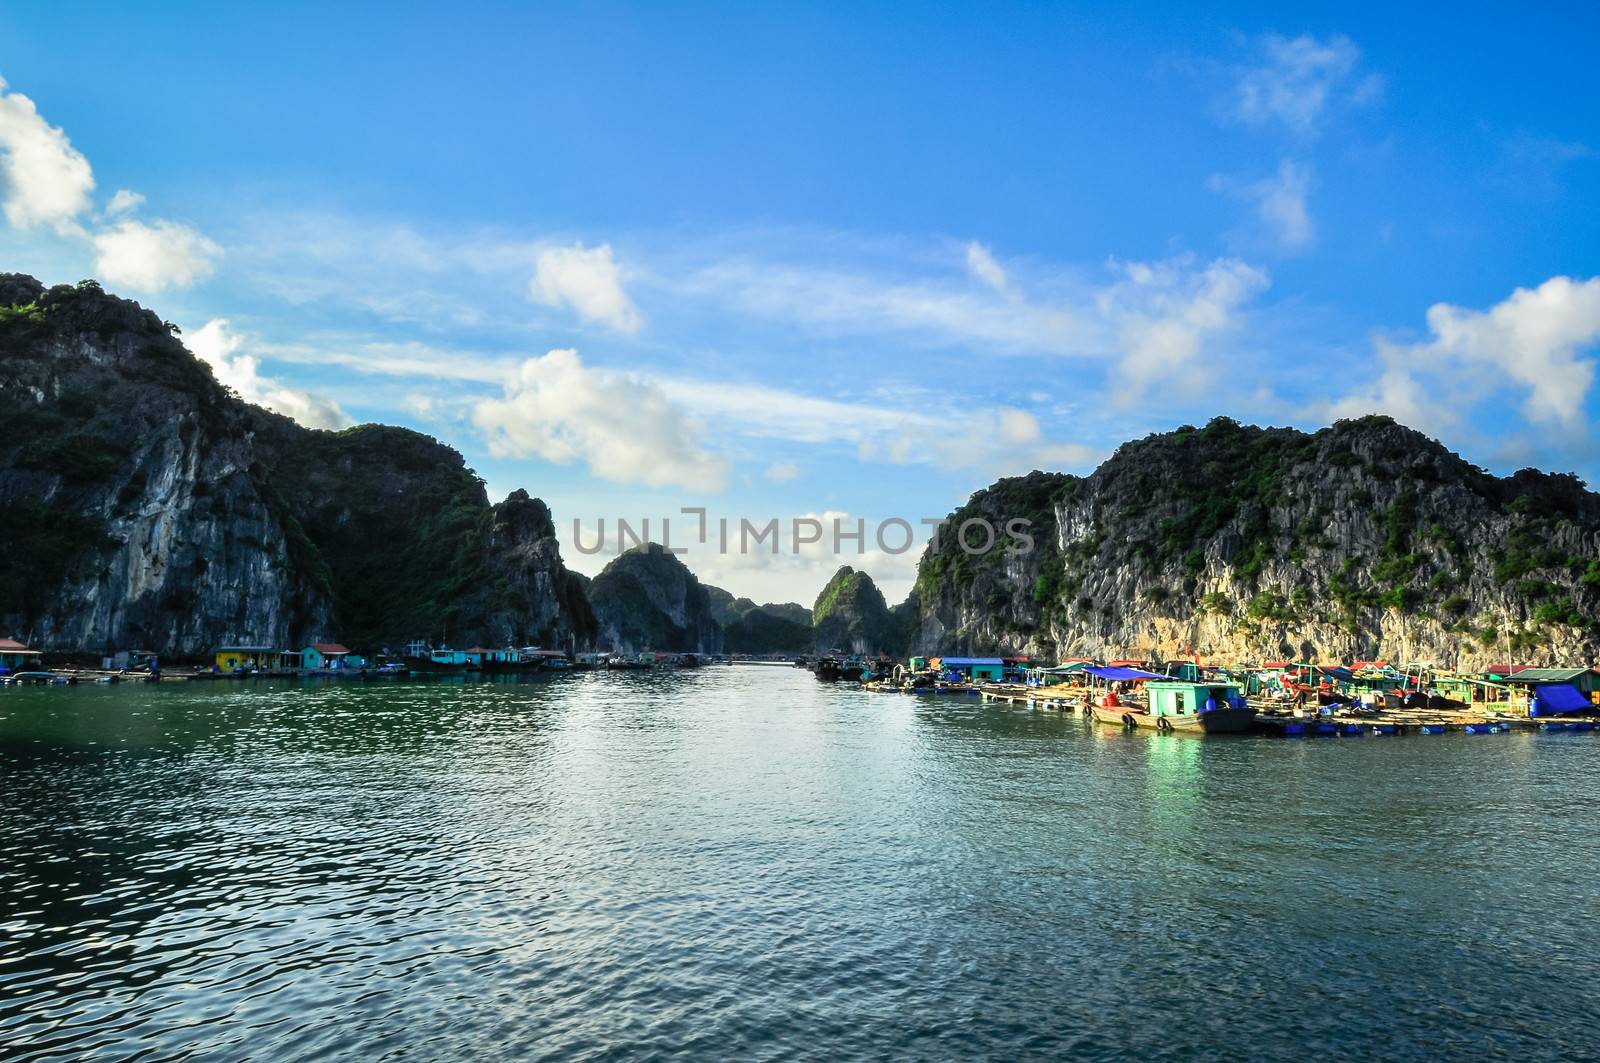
789 260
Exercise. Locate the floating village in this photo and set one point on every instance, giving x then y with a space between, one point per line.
23 666
1287 698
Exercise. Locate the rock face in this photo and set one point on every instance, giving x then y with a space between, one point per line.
760 629
143 506
851 615
647 599
1365 540
412 546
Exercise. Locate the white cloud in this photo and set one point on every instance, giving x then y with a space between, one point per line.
781 472
1166 312
981 264
217 344
1280 203
588 281
1298 78
1532 342
153 257
44 180
1017 426
622 427
123 202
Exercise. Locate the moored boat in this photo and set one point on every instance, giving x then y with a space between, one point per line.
1192 708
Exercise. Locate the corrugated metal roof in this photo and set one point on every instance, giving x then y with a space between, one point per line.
1547 675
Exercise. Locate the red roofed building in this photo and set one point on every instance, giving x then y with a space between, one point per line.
323 655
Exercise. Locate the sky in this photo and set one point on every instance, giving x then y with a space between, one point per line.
830 262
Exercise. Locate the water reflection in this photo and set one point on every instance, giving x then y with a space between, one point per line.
751 863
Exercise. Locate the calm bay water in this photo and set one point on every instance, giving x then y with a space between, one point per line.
742 862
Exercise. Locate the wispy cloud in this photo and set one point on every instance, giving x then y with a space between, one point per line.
1534 167
1279 202
844 301
982 265
1167 312
1295 81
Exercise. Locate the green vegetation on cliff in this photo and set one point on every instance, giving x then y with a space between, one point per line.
1365 536
850 614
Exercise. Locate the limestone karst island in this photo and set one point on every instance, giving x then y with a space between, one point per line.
626 532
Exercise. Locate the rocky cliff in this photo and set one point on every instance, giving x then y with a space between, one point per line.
144 506
1363 540
851 615
412 547
647 599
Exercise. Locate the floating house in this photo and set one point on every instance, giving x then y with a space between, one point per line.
448 658
507 656
1585 680
323 655
15 657
246 658
1552 691
977 669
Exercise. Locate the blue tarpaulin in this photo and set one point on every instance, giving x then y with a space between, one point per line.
1549 699
967 662
1124 673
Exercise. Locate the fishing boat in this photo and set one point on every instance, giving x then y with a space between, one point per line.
1176 705
833 669
37 678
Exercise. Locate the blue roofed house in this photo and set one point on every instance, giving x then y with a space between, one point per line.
977 669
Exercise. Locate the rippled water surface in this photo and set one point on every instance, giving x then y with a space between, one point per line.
742 862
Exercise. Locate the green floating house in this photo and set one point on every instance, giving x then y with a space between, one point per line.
15 657
977 669
320 655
